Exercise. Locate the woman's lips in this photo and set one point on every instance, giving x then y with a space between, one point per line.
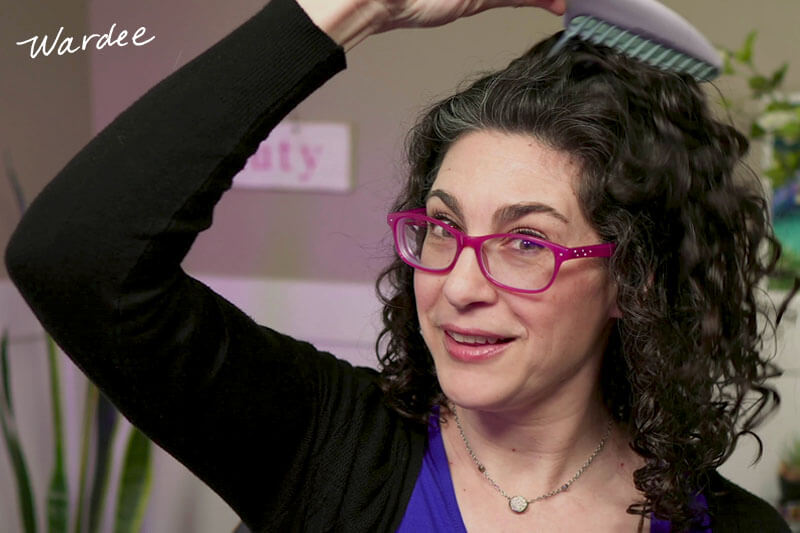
473 348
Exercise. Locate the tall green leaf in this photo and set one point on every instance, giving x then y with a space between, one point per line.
6 398
57 492
135 483
106 418
27 506
90 406
14 180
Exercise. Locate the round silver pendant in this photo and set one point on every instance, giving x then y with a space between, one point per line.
518 504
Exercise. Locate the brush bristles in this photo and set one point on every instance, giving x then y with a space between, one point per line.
590 29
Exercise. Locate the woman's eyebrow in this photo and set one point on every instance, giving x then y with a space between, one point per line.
449 200
503 215
513 212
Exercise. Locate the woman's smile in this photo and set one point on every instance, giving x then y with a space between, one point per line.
474 346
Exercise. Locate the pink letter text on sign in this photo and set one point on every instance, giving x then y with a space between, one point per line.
301 156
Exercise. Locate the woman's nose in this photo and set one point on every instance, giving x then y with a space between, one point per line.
466 284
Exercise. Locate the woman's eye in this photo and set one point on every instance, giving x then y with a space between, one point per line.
526 241
439 230
441 217
445 220
525 244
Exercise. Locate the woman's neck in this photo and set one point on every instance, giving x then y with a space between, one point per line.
530 451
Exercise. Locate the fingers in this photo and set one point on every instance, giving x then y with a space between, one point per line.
348 22
554 6
557 7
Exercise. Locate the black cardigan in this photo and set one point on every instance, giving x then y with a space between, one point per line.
291 438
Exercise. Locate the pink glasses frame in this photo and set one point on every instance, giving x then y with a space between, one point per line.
561 253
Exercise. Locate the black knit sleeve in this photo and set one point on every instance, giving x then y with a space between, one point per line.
97 257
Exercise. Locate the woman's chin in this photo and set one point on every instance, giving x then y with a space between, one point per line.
468 394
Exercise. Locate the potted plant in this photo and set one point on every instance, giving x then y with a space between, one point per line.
772 116
100 419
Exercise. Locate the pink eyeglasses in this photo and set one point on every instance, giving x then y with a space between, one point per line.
514 261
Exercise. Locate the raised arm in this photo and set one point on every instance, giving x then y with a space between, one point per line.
97 257
98 254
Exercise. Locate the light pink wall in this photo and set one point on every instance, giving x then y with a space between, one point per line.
44 102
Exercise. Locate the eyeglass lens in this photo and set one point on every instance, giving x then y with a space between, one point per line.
519 262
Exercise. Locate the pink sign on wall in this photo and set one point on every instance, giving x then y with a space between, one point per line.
301 156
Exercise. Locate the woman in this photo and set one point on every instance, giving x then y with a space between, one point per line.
660 338
589 394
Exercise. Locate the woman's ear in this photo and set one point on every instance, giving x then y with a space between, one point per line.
613 306
614 311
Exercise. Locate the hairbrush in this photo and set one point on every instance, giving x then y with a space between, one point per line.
644 30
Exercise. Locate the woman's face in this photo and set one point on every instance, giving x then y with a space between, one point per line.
497 350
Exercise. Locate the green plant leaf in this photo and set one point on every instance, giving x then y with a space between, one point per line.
27 505
745 53
793 158
790 132
727 63
777 77
780 105
756 131
776 175
57 492
758 83
89 408
787 269
58 502
4 369
106 418
15 184
135 481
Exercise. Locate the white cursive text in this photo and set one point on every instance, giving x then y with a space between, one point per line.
70 45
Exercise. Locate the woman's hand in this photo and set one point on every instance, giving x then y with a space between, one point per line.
424 13
348 22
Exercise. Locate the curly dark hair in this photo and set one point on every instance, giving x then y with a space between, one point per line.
662 178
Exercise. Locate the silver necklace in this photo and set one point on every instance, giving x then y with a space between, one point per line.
518 504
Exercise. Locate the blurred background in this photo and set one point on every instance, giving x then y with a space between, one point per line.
51 106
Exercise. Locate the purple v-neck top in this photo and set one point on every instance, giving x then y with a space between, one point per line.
433 505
